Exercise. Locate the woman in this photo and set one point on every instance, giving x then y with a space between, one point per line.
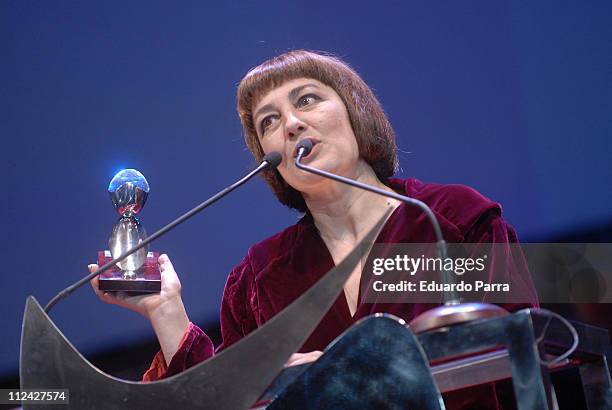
291 97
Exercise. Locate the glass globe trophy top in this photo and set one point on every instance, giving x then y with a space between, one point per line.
128 190
139 272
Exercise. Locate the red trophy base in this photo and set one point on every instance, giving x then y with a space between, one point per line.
147 280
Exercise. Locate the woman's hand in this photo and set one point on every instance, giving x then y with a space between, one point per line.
301 358
146 305
165 309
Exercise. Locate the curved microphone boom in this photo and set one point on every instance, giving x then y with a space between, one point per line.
270 161
453 311
303 149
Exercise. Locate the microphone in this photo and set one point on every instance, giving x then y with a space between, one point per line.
453 311
304 147
270 161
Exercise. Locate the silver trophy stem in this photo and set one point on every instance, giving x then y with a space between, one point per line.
129 275
128 233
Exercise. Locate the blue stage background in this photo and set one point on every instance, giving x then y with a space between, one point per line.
514 99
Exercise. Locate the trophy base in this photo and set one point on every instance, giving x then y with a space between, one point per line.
147 279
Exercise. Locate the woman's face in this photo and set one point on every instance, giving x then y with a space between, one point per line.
306 108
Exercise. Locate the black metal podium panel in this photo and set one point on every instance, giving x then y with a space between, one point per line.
376 364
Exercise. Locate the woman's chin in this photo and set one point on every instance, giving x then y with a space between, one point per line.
307 180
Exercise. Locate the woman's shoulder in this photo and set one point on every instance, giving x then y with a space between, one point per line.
459 204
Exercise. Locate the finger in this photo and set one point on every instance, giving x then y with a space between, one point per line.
299 362
164 262
121 295
107 297
115 298
308 358
169 277
303 358
95 281
316 354
293 358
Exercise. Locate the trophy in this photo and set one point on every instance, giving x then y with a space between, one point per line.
139 272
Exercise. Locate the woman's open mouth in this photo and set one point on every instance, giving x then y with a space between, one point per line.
313 142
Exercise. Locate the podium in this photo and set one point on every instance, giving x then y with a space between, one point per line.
410 370
444 360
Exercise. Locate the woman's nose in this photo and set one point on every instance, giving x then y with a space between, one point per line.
294 126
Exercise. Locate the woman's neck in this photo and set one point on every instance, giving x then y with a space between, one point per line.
345 213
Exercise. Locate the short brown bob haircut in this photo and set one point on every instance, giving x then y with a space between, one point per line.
374 134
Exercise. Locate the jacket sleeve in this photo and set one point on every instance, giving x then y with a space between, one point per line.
195 347
506 263
237 320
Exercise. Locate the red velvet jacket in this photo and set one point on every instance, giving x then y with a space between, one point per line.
279 269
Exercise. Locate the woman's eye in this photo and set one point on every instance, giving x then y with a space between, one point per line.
307 99
265 123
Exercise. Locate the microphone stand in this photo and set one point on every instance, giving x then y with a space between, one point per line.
269 161
453 311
